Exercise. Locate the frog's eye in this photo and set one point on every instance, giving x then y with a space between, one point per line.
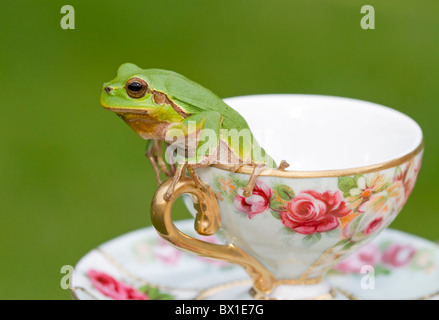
136 88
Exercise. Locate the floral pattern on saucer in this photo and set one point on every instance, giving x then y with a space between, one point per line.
141 266
386 257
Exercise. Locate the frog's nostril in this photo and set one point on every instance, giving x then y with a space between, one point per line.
108 89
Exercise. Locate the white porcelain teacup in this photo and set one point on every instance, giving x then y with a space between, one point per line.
353 166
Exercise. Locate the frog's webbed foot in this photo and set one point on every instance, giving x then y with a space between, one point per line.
257 169
155 157
283 165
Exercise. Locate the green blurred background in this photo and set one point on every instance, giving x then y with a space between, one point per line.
73 175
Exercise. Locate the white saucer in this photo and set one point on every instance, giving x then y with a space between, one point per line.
140 265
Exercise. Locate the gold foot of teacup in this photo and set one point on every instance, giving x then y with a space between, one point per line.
318 291
238 290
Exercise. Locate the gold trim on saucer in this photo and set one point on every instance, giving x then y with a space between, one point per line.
224 286
343 292
429 296
268 172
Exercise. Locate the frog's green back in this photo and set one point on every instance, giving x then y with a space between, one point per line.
193 97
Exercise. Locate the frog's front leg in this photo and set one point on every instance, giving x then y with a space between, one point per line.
154 155
152 159
202 133
160 161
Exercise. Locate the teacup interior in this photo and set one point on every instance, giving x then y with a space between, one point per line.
315 133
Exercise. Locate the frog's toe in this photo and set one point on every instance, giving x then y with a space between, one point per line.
168 194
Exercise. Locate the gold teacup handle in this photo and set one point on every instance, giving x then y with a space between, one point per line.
207 222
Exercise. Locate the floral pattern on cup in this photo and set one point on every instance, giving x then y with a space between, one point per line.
360 206
408 176
257 203
358 190
310 212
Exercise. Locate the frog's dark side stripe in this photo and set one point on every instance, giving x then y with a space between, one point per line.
161 98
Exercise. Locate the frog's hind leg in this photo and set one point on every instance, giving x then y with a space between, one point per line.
194 175
236 167
180 168
257 169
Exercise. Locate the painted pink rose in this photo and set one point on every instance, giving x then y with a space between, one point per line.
311 212
257 203
408 177
112 288
398 255
374 225
369 255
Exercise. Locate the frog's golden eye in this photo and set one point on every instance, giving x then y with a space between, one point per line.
136 88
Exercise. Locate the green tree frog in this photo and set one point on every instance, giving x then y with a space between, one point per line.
194 123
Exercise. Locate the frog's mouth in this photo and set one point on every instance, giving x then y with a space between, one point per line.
125 111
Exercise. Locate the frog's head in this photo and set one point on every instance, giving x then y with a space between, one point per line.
128 92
